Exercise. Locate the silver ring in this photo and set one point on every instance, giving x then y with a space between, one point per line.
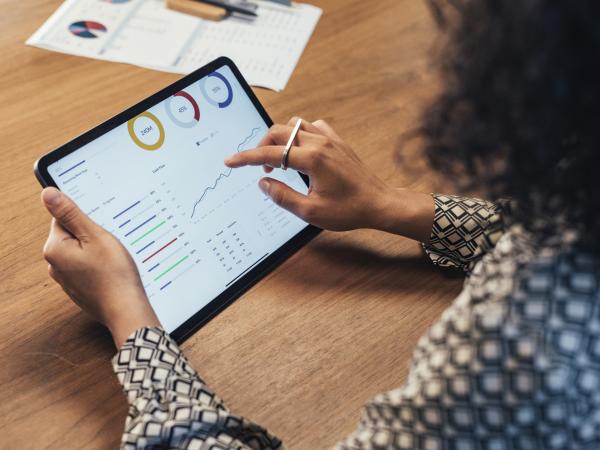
288 146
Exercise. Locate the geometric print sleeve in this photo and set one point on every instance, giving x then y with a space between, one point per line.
169 404
512 364
464 229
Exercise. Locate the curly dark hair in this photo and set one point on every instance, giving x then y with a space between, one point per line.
519 115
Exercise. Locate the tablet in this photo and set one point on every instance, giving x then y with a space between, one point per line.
200 233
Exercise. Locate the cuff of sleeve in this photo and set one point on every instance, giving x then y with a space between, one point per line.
463 229
149 355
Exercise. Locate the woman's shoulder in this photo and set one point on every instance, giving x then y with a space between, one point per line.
545 284
514 360
534 305
522 307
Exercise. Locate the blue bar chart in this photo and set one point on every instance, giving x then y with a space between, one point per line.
155 240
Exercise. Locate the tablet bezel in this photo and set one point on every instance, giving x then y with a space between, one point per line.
230 294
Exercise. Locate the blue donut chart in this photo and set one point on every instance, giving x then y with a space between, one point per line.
227 101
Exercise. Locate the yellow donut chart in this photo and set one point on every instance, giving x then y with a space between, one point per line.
138 142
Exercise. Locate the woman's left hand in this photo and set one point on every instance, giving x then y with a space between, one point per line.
94 269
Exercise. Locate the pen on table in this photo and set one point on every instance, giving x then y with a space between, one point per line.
246 8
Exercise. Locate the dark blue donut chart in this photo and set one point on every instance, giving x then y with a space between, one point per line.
228 100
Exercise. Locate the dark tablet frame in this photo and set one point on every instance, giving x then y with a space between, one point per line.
234 291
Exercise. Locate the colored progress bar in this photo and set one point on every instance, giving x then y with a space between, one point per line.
126 209
141 225
148 232
71 168
179 275
171 268
144 248
159 250
165 259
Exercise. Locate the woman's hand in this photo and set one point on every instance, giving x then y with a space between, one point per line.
94 269
344 194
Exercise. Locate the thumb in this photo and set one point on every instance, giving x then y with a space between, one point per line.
284 196
66 213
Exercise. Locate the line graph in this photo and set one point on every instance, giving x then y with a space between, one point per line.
226 173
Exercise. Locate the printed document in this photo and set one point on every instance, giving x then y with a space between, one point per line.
147 34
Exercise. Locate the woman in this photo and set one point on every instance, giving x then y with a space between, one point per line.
514 363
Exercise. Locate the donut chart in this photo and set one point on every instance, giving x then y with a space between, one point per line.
180 112
150 135
216 90
87 29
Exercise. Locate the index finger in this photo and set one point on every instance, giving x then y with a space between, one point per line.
271 155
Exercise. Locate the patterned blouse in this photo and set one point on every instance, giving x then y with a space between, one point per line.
512 364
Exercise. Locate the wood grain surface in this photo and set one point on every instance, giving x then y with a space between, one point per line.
305 348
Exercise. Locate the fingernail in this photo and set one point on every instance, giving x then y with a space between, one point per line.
264 186
52 196
228 160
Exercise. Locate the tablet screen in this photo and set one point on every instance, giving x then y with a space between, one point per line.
158 183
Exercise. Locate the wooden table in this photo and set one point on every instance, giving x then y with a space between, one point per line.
304 349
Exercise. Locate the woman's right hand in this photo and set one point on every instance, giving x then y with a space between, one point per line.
343 194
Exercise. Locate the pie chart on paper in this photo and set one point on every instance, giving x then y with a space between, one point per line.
87 29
